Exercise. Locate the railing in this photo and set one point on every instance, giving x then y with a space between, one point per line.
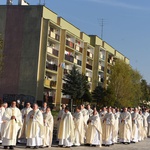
88 66
69 58
52 51
51 66
54 36
70 44
101 80
110 61
108 71
55 52
79 62
89 54
66 71
102 68
50 83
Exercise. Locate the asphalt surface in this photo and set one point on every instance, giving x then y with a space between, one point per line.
144 145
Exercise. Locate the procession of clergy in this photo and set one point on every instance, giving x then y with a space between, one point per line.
34 126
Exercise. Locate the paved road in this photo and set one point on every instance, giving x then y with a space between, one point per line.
144 145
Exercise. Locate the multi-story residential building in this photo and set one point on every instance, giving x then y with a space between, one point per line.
40 48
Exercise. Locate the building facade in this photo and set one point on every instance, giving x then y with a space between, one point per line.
40 48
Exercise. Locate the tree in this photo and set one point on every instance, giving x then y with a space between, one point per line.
74 85
124 85
87 96
145 88
98 95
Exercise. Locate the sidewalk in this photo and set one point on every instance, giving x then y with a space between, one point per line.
144 145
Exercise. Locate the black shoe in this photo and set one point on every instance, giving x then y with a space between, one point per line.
5 147
60 145
27 146
11 147
36 147
132 142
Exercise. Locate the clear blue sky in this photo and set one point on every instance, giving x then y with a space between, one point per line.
126 25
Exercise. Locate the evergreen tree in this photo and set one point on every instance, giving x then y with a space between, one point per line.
74 85
87 96
99 96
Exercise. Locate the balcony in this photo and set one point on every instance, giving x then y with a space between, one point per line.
110 61
89 79
102 57
101 68
50 83
101 80
54 36
66 71
108 71
51 66
52 51
89 54
69 58
89 66
70 44
79 62
78 48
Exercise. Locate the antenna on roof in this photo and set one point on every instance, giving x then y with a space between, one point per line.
9 2
44 3
101 22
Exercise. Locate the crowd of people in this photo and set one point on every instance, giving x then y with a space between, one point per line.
105 127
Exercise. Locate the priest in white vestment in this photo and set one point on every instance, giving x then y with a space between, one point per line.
135 125
79 127
141 131
48 128
94 130
43 109
125 127
90 111
85 116
34 130
102 115
115 127
66 129
12 122
145 124
2 110
61 112
148 121
108 123
22 132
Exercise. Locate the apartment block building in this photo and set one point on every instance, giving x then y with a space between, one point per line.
40 48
